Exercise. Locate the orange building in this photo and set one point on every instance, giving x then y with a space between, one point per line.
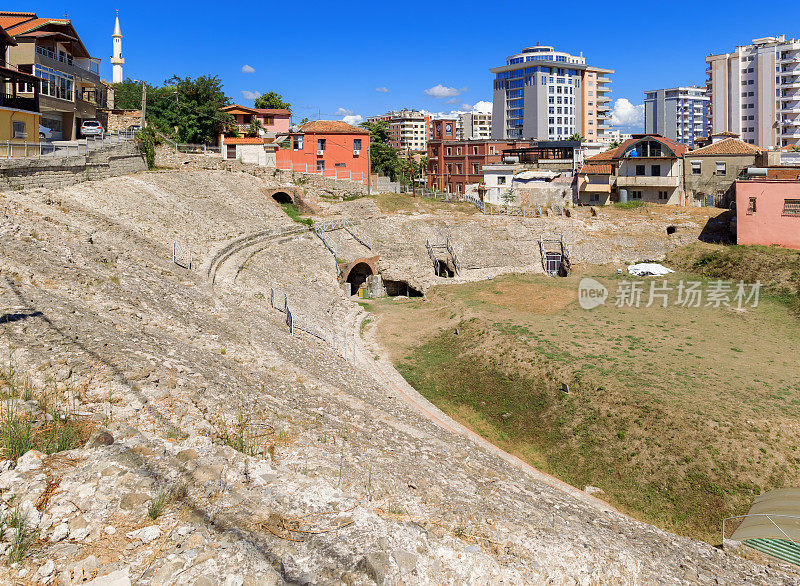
330 147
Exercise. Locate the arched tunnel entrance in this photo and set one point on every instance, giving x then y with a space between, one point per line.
282 197
443 269
358 276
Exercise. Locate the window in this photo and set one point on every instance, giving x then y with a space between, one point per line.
593 197
751 206
449 168
339 165
56 84
357 144
297 142
636 195
19 130
655 170
474 150
501 180
791 207
449 151
475 169
697 167
458 151
459 169
320 165
662 195
448 128
640 170
491 150
320 144
721 167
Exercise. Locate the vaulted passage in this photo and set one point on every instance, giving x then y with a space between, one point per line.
397 288
358 276
444 270
282 197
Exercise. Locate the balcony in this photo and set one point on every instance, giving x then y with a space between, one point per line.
585 186
790 110
603 80
792 84
795 122
644 181
19 103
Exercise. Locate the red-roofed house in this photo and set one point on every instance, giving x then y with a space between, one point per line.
646 167
273 120
330 147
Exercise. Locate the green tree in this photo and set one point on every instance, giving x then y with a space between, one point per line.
272 100
615 144
385 159
577 136
128 94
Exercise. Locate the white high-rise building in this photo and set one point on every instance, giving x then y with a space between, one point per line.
755 92
679 113
546 94
117 60
475 125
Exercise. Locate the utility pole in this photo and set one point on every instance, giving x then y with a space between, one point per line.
144 101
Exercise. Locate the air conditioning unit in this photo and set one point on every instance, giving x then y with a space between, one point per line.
356 152
320 152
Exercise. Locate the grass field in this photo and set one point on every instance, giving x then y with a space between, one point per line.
681 415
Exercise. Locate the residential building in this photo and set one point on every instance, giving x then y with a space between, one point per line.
679 113
117 60
768 212
613 135
250 150
711 172
273 121
521 184
755 92
330 147
474 125
408 129
546 94
647 168
19 114
70 90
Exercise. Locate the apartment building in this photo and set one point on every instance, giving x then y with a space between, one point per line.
19 115
408 129
330 147
474 125
679 113
755 92
546 94
70 90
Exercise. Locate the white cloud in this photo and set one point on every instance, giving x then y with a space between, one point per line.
452 101
383 89
439 91
354 120
627 114
248 95
343 112
248 69
483 107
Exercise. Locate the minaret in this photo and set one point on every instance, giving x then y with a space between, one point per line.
116 59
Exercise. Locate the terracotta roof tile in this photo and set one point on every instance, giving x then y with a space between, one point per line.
727 146
35 23
9 19
331 127
243 140
596 169
276 111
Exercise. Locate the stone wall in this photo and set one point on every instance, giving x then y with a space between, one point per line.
119 120
167 157
20 174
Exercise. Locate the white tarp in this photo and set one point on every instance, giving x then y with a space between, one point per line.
649 269
531 175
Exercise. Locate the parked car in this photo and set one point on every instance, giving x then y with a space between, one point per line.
91 128
45 133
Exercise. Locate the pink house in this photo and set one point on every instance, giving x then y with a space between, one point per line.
273 120
768 212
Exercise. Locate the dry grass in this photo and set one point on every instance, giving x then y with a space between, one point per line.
680 415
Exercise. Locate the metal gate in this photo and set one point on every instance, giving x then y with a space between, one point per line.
552 263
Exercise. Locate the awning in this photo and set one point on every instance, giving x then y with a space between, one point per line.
774 515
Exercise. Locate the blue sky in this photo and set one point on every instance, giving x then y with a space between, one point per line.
330 57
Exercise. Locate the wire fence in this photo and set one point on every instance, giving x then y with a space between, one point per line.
182 255
46 150
342 343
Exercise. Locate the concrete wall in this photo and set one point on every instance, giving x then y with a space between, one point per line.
20 174
767 225
708 182
7 118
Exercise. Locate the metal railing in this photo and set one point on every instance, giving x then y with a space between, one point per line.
68 60
337 174
32 150
341 224
342 343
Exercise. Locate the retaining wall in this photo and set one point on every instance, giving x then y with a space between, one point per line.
167 157
120 159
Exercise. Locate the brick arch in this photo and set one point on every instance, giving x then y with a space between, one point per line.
280 194
346 269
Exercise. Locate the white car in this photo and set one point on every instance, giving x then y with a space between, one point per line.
91 128
45 133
